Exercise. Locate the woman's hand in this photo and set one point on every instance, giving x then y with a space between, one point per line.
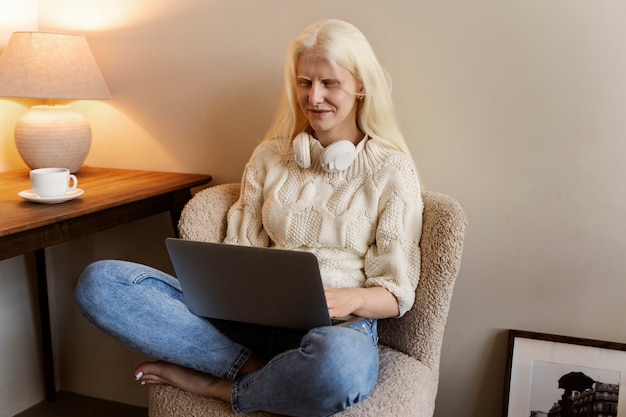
374 302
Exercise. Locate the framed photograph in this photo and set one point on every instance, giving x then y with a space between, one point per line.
560 376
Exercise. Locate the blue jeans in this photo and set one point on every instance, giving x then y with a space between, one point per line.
315 373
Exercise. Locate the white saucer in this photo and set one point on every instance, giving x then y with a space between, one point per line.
30 195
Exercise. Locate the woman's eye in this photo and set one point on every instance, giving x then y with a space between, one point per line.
302 82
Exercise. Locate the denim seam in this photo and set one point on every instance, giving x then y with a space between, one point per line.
167 280
241 360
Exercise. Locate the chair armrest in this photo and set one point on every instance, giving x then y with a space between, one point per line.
419 333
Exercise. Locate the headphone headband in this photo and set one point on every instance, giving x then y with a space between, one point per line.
336 157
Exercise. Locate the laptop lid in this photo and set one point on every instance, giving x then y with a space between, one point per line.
272 287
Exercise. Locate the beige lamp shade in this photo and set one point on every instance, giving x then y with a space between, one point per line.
51 66
55 66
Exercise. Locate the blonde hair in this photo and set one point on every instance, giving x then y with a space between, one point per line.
341 43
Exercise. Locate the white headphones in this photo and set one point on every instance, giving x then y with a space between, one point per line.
336 157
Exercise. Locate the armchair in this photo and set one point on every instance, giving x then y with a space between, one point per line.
410 347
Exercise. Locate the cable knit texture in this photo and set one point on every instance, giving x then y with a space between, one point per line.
410 346
363 224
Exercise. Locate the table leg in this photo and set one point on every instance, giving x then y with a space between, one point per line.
44 323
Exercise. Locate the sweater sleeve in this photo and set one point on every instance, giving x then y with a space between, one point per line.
244 219
393 261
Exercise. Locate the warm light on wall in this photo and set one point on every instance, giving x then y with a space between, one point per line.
16 15
98 15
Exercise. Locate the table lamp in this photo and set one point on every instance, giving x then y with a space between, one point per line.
51 66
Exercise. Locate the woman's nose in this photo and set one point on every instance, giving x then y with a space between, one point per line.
316 95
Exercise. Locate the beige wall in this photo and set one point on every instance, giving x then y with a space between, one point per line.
514 108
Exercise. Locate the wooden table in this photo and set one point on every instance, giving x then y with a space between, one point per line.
112 197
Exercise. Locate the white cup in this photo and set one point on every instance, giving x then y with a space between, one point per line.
52 182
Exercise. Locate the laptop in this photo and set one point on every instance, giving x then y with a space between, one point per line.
265 286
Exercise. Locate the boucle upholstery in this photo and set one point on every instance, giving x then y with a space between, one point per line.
410 347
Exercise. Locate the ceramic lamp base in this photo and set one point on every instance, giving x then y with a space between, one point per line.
53 136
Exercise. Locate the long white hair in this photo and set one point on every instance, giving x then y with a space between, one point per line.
343 44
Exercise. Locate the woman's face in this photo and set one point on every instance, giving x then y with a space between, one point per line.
327 95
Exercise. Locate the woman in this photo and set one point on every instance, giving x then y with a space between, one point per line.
333 177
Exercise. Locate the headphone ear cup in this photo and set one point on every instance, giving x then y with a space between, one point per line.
338 156
301 150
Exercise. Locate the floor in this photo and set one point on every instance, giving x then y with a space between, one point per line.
74 405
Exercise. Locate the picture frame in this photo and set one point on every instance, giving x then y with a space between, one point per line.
549 375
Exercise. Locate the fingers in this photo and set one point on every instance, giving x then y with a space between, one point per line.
342 301
337 302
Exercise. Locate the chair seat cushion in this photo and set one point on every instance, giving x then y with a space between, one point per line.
406 387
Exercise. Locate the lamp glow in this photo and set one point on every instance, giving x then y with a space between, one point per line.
51 66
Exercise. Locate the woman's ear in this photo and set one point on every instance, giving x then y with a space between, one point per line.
361 93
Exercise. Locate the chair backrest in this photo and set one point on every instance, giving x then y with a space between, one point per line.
419 332
204 217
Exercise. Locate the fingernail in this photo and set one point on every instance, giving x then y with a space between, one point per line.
138 376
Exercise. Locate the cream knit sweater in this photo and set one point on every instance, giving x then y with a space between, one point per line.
363 224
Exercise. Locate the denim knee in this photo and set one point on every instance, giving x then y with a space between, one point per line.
332 369
87 285
346 365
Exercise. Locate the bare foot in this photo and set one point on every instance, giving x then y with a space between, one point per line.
186 379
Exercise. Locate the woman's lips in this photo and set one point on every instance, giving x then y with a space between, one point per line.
319 111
